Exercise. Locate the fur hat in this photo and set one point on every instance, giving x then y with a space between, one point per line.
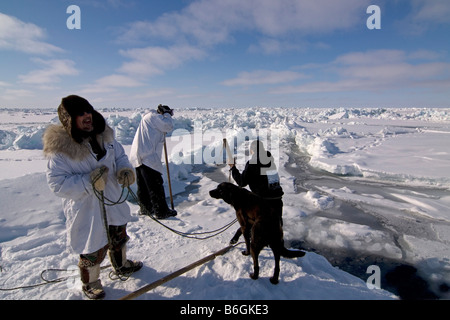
73 106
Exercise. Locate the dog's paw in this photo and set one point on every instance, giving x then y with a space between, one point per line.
273 280
233 241
245 253
254 276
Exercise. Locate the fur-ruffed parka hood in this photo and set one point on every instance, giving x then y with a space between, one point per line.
73 106
56 140
67 138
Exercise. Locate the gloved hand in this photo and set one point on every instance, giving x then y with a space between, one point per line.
99 177
126 177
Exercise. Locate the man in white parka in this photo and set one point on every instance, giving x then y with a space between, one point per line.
145 155
84 154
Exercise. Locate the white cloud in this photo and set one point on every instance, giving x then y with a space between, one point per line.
144 63
152 61
260 77
117 80
271 46
151 94
375 57
212 22
17 35
14 94
306 17
436 11
109 83
50 73
378 70
424 15
118 3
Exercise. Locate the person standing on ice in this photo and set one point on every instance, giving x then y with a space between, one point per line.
83 154
145 155
261 176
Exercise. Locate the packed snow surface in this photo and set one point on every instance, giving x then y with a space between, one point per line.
370 182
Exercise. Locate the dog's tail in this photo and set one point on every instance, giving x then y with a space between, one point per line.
288 253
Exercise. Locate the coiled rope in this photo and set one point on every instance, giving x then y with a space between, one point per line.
48 281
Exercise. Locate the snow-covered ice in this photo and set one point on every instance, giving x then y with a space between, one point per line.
358 183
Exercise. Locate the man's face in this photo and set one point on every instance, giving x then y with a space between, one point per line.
84 122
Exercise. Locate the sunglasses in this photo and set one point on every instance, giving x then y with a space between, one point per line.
81 112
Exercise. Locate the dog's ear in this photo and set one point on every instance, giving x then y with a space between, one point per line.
226 194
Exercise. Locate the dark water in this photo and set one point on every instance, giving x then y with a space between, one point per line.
397 276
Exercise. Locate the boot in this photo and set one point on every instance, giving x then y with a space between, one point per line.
92 286
121 265
130 267
94 290
157 197
169 213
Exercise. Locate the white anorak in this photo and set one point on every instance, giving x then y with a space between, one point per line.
68 175
148 142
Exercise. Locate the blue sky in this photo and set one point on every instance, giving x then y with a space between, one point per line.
226 53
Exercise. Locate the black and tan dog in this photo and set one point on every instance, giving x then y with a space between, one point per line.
260 225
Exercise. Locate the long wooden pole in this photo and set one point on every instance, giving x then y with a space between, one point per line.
168 173
228 151
231 160
175 274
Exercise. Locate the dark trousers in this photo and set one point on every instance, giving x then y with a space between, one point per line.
150 191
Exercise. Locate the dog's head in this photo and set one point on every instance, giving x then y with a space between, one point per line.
224 191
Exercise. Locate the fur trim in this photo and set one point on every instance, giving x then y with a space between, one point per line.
57 140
